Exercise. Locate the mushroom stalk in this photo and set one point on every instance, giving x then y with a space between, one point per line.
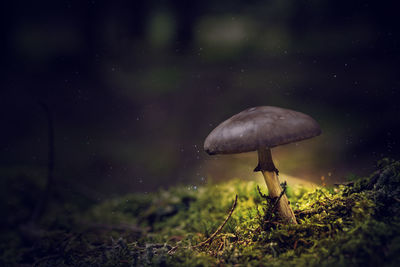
270 173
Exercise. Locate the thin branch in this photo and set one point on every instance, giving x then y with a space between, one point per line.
261 194
210 239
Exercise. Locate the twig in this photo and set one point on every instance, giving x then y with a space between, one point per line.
220 247
261 194
210 239
295 244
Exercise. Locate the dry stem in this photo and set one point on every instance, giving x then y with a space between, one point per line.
210 239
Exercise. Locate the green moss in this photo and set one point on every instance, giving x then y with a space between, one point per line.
355 224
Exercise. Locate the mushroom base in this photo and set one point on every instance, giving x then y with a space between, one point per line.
270 173
274 190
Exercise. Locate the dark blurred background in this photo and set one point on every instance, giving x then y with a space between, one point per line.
134 88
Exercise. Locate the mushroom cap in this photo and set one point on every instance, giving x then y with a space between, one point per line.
256 127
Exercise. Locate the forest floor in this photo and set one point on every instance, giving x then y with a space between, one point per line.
356 224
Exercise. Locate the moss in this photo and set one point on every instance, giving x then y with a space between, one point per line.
354 224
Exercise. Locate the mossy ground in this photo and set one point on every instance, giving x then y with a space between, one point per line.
355 224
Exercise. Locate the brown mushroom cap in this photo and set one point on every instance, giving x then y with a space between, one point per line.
257 127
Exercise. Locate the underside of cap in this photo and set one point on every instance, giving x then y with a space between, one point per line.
263 126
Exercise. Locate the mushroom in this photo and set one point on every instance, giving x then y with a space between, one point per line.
262 128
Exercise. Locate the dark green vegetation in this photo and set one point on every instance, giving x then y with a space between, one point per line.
353 224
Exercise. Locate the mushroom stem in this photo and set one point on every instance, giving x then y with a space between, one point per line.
270 173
